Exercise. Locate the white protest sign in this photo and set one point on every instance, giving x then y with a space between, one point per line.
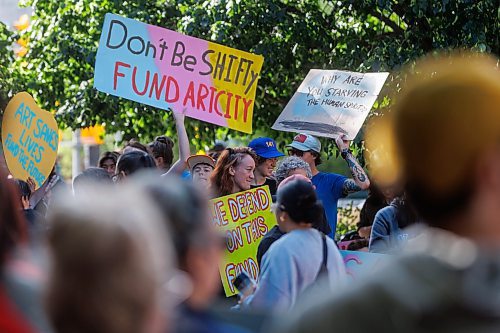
330 103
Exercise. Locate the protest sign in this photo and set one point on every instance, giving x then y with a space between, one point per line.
29 138
361 264
331 103
166 69
245 218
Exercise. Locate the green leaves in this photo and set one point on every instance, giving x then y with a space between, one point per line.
293 36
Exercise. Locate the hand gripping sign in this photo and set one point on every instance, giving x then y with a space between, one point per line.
245 218
166 69
331 103
29 138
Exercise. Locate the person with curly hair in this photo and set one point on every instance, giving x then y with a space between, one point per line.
290 166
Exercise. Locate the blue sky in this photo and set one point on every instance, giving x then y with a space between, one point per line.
10 11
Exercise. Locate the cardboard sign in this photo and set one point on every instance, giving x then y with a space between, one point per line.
361 264
245 218
30 139
331 103
166 69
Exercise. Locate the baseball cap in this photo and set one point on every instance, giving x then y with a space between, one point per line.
265 147
305 142
194 160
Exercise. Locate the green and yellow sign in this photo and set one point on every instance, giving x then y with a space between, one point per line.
244 217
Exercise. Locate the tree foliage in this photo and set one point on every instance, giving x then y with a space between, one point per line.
6 57
293 36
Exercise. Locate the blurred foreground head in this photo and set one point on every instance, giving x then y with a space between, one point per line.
12 224
198 246
443 140
89 177
111 259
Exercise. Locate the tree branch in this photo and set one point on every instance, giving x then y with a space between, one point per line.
397 29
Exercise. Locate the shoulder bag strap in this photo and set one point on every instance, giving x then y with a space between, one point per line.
323 269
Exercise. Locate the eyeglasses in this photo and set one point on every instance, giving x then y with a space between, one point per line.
296 152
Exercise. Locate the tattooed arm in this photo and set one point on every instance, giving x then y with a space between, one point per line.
359 180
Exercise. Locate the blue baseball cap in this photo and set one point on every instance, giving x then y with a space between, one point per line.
265 147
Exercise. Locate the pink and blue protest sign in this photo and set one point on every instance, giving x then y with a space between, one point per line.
169 70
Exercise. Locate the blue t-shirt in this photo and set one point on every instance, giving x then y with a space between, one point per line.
329 187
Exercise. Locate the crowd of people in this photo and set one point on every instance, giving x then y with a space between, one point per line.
130 246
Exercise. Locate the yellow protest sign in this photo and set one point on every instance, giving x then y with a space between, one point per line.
93 135
29 138
245 218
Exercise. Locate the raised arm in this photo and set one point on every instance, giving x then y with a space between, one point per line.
183 142
359 180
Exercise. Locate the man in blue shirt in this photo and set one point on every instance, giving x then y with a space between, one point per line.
330 186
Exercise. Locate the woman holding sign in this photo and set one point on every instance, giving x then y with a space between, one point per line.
162 151
233 172
299 258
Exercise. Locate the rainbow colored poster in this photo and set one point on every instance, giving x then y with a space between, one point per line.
166 69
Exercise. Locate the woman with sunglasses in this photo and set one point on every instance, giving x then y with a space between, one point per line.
233 172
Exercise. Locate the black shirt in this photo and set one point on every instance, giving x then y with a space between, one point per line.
273 185
272 236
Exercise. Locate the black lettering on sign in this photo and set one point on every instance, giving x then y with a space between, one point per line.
141 48
179 51
206 60
110 32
